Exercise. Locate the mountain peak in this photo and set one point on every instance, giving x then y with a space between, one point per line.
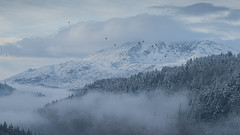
118 61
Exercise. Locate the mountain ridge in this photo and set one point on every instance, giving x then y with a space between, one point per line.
118 61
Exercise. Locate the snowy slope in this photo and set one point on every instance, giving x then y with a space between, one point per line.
118 61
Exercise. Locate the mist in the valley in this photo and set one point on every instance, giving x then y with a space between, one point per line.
108 114
20 107
150 113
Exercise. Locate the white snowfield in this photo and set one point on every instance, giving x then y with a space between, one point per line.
118 61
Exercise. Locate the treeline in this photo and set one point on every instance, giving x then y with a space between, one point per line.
214 82
10 130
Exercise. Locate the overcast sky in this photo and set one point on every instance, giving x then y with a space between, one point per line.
50 31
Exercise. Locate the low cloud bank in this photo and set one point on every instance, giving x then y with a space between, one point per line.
20 107
107 114
95 113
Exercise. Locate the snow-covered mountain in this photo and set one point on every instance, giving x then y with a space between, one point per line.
118 61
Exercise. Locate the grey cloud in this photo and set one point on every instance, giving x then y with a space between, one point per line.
85 38
217 22
26 47
201 9
164 7
195 9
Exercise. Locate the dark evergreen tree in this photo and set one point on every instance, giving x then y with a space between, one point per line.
10 130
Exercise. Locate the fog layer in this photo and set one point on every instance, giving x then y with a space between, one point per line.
108 114
20 107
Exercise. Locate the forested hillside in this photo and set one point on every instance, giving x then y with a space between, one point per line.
214 80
